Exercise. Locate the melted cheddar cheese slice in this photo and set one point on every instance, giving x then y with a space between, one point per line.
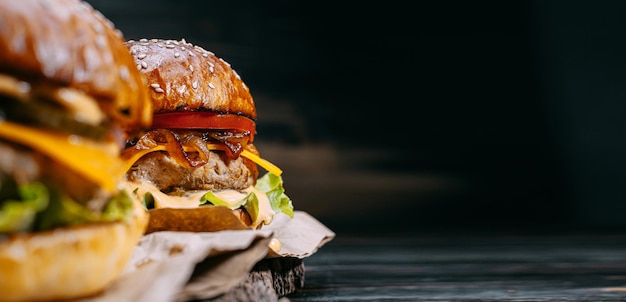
98 162
247 154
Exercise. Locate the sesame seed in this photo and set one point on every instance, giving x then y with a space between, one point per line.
206 55
211 69
141 56
124 73
144 65
211 86
183 48
194 85
170 46
101 41
98 28
139 66
86 6
155 85
191 68
183 40
154 40
191 54
108 22
159 90
176 55
227 64
143 40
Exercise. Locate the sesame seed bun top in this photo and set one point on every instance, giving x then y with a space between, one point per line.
185 77
68 43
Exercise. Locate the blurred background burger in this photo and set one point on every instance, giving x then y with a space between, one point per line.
69 91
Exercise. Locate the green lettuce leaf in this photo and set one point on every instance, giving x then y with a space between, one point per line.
34 207
270 184
65 211
250 203
18 213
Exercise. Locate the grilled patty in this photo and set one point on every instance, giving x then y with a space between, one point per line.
218 173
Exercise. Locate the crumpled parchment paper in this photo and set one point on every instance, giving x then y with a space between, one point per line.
163 262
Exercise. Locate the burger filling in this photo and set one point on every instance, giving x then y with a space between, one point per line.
58 160
190 168
38 194
54 108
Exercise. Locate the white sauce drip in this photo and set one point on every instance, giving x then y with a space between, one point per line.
192 199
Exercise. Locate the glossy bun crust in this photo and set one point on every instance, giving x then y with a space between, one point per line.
185 77
68 43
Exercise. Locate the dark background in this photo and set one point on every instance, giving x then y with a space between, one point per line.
429 115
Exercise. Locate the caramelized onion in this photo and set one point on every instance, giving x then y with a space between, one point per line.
198 145
165 138
176 142
234 141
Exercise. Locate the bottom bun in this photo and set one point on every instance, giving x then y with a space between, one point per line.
200 219
66 263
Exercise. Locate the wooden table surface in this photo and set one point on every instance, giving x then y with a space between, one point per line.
467 268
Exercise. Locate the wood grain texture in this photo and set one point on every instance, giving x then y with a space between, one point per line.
270 280
472 268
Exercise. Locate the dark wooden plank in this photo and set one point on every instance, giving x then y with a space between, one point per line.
569 268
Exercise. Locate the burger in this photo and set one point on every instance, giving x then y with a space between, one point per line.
197 168
70 95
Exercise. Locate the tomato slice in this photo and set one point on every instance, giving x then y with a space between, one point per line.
203 120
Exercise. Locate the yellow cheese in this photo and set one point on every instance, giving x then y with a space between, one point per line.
247 154
262 162
96 161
